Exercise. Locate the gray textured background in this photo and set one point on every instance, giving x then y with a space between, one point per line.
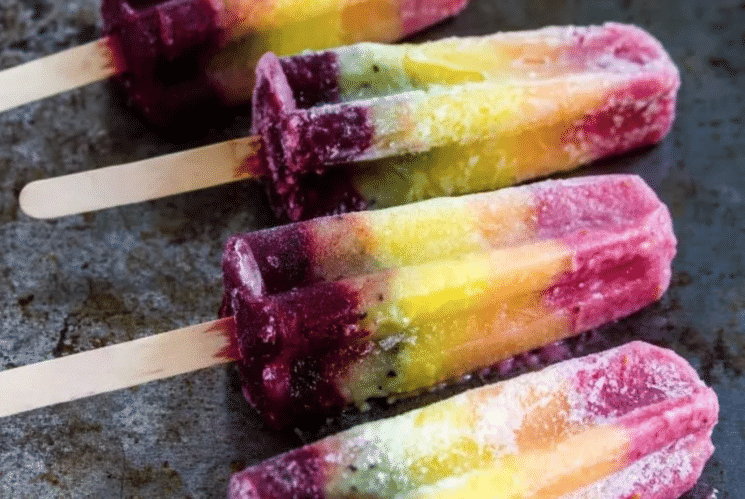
86 281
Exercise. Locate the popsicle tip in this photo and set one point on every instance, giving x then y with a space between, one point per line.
48 198
32 201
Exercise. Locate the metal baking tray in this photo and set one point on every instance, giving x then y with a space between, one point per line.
81 282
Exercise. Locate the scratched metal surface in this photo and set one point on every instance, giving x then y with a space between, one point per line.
86 281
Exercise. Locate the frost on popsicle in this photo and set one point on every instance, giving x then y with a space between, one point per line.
632 422
455 116
340 309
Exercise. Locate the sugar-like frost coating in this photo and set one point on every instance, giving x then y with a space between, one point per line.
410 122
341 309
539 435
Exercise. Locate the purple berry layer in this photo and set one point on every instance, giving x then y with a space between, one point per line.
296 141
163 46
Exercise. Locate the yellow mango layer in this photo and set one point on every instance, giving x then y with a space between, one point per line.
439 229
421 121
541 474
440 287
370 69
526 143
518 440
448 448
437 320
287 27
347 15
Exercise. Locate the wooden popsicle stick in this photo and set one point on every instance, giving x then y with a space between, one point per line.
56 73
144 180
117 366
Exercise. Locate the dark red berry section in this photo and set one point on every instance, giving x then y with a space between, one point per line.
418 14
295 346
636 116
652 392
281 256
604 45
637 113
300 141
625 384
609 203
329 193
298 474
313 78
623 240
314 141
607 286
163 46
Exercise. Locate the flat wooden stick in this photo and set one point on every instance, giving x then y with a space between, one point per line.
56 73
144 180
117 366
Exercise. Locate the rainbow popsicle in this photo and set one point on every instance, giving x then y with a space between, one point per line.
455 116
170 55
373 126
385 303
632 422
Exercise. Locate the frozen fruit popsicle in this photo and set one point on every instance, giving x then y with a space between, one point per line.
456 116
442 118
385 303
390 302
174 54
631 422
